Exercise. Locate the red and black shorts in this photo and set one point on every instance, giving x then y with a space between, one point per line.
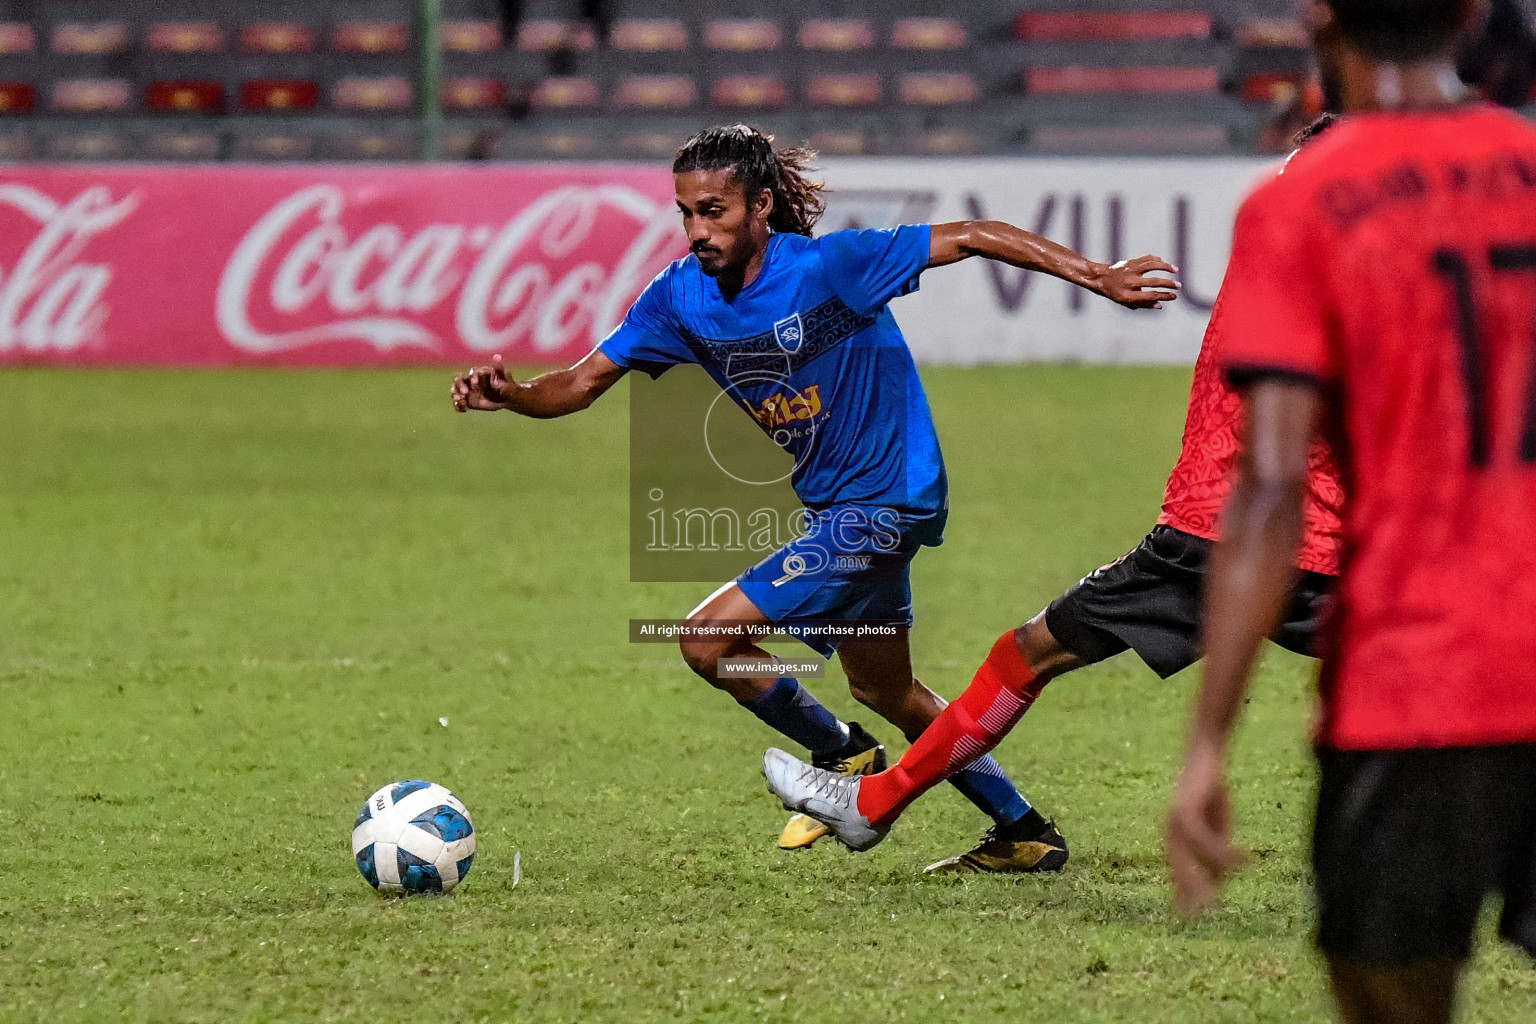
1150 602
1409 842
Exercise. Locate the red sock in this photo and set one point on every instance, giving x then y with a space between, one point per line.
997 698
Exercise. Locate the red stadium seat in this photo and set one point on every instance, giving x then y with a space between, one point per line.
564 94
181 146
852 90
471 36
372 93
185 37
929 34
556 144
1273 32
838 34
93 40
279 95
1082 81
91 95
277 37
474 94
749 92
648 35
546 35
1130 138
185 97
17 97
743 35
934 89
1273 86
100 144
656 92
17 37
1043 25
371 37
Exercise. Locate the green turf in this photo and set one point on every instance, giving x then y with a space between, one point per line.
233 604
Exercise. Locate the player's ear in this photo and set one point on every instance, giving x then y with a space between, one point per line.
762 206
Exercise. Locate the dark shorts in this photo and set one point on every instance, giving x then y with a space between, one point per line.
1408 842
1150 602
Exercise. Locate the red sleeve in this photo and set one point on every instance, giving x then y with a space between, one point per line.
1275 295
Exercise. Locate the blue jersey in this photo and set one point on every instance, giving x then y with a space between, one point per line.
810 350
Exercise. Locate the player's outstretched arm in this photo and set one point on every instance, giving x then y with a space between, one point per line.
1245 594
1128 282
490 389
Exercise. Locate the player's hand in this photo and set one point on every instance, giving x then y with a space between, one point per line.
483 388
1130 283
1200 851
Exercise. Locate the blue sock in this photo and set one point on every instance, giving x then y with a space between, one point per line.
985 785
790 708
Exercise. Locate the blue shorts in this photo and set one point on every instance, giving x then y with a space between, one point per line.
852 565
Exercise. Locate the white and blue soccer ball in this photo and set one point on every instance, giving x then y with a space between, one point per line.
413 837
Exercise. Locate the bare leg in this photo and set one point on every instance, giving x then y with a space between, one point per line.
728 604
1420 993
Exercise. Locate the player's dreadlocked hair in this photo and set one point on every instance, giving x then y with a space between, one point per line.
750 156
1400 31
1321 124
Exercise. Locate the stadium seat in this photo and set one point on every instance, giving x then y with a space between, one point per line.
546 35
90 39
97 144
1157 80
851 90
655 92
185 37
169 145
843 142
16 146
1122 139
471 36
1273 32
17 97
275 146
372 93
185 96
1100 26
470 143
371 145
277 95
837 34
474 94
1273 86
556 143
371 37
929 34
17 37
749 92
565 93
90 95
941 142
743 35
648 35
935 89
649 145
277 37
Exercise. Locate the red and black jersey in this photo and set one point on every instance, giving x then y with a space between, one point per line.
1202 479
1394 262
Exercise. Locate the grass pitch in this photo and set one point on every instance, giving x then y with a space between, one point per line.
233 604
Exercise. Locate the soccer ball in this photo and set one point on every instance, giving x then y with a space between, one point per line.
413 837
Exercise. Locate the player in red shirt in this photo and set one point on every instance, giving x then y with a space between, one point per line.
1384 289
1148 601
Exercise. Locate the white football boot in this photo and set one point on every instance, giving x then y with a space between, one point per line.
830 798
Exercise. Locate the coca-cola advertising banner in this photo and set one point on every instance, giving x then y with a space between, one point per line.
222 265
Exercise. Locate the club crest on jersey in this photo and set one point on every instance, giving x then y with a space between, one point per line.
789 333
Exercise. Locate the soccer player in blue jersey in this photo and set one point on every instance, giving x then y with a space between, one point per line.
798 332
